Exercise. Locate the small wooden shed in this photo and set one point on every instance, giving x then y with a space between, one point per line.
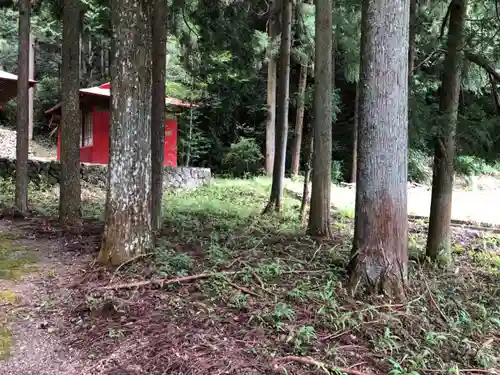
8 86
95 108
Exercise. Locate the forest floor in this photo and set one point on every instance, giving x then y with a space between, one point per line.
229 291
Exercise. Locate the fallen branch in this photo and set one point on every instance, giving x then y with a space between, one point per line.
166 281
433 301
483 63
242 288
322 365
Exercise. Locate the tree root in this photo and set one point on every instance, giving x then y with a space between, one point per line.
166 281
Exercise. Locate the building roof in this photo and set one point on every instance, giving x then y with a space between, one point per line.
104 91
12 77
8 86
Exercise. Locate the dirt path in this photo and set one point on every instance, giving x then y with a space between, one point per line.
33 275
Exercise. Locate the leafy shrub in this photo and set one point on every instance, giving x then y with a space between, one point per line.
337 171
468 165
419 169
243 159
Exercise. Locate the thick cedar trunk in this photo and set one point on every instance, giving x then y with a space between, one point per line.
22 143
159 43
439 236
299 120
307 177
273 29
278 185
70 189
380 249
355 136
319 213
128 231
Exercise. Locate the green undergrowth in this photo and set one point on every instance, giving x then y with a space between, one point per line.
44 198
298 301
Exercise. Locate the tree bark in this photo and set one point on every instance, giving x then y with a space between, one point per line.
273 30
307 177
159 43
439 235
278 184
412 34
494 93
128 231
22 140
70 189
319 213
299 120
355 137
380 249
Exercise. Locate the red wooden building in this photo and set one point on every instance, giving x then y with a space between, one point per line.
94 105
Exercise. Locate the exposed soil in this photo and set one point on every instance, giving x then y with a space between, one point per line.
31 318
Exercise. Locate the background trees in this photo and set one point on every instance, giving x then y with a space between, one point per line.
439 239
230 75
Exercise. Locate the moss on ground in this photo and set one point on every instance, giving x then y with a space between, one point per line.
8 296
5 342
14 263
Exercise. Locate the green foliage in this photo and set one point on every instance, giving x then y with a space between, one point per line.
419 166
337 171
243 158
473 166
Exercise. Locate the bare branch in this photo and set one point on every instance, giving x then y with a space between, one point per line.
483 63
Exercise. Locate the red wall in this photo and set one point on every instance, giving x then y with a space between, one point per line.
98 152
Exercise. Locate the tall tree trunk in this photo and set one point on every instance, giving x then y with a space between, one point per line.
412 34
494 93
307 177
380 249
355 136
299 120
273 30
159 45
31 90
22 141
319 213
70 189
439 235
278 185
128 231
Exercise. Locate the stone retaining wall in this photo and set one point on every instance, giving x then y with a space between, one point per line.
50 171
